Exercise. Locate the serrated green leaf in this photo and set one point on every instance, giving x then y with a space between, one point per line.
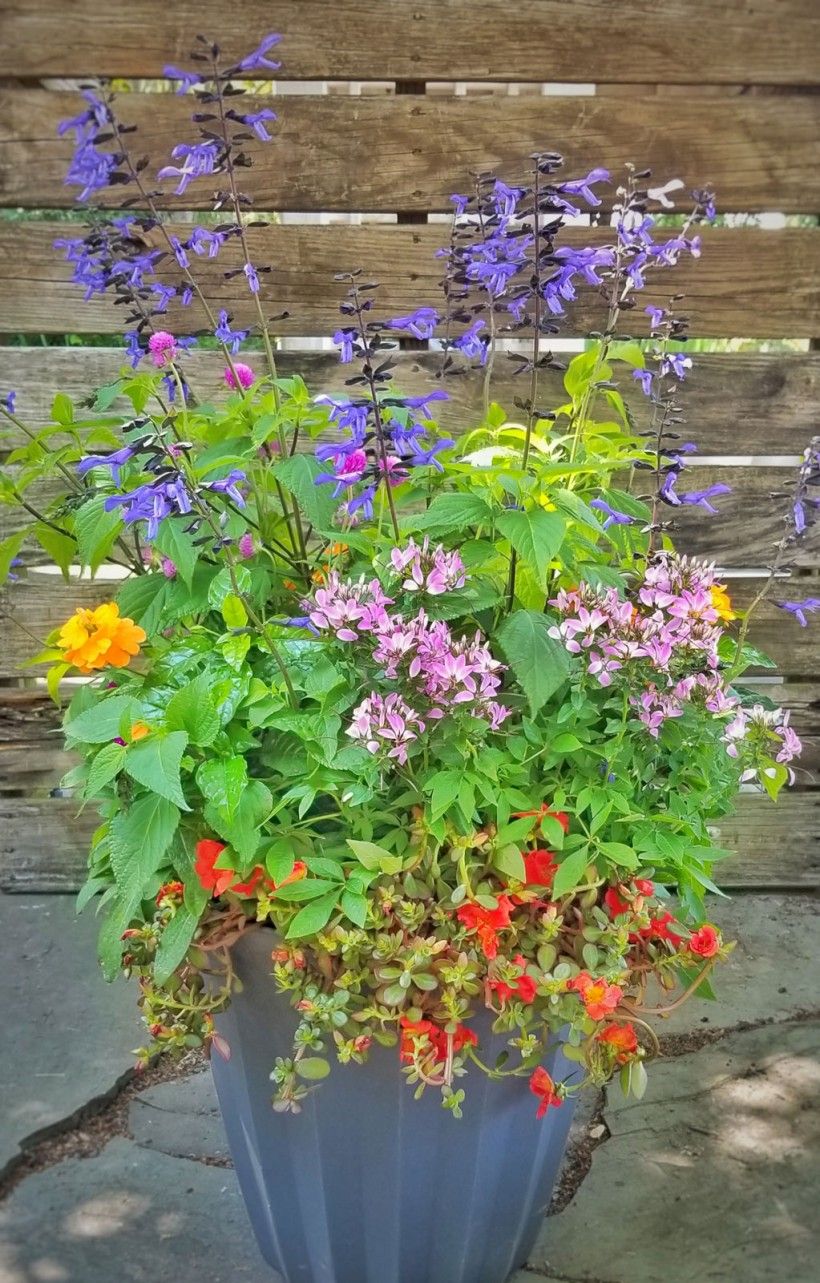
451 512
222 781
155 761
191 709
102 721
243 831
298 475
143 599
539 663
139 840
174 542
62 549
536 535
222 585
104 767
9 548
96 531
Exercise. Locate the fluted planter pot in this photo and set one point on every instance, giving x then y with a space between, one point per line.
366 1184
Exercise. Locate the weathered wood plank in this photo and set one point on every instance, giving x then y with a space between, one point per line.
409 152
749 282
685 41
43 844
738 402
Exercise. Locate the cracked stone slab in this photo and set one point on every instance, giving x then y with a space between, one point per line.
771 973
713 1176
132 1215
73 1036
181 1119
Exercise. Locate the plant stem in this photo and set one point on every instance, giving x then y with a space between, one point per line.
377 418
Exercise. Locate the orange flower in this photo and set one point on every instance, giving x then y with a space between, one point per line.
139 731
622 1038
99 638
421 1030
705 942
486 922
599 997
722 602
170 889
542 1085
218 881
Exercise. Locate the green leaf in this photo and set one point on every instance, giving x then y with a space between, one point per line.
628 351
355 906
234 648
451 512
539 662
571 872
192 710
307 889
536 535
243 831
222 781
9 548
62 549
234 612
104 767
102 721
443 788
375 857
142 599
110 945
312 1067
222 585
96 531
140 838
510 861
279 859
580 370
313 916
88 890
62 410
173 944
108 394
174 542
155 763
298 475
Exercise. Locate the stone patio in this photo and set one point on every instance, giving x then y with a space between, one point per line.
711 1179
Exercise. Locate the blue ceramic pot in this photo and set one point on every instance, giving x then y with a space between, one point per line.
366 1184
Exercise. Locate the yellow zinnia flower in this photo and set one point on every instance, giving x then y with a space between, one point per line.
722 602
99 638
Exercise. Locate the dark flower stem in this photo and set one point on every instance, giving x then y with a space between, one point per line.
377 417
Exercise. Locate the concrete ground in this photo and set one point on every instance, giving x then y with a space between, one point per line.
712 1178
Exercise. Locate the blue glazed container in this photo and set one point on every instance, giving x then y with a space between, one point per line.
366 1184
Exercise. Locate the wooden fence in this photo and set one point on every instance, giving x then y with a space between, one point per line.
395 103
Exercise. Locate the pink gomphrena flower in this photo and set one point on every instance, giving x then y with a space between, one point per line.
386 725
433 572
163 347
246 545
244 376
169 568
348 609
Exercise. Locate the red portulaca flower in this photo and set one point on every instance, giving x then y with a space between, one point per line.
622 1038
705 942
486 922
541 1085
218 881
660 928
524 986
414 1030
541 868
599 997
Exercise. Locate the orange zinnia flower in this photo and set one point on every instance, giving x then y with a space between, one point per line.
99 638
722 602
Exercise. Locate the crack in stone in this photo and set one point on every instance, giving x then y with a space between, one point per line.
550 1275
86 1132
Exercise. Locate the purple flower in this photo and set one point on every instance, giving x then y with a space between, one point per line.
582 186
656 315
667 491
114 461
187 79
179 252
258 59
460 203
799 608
251 277
433 572
701 498
246 545
506 198
231 338
613 516
168 568
644 377
799 517
471 345
134 348
163 294
421 403
386 725
152 503
198 160
256 120
229 486
349 466
8 402
677 364
204 238
424 455
421 323
344 340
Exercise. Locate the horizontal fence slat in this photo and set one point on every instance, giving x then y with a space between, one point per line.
765 41
42 601
748 282
44 843
734 403
410 153
743 533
